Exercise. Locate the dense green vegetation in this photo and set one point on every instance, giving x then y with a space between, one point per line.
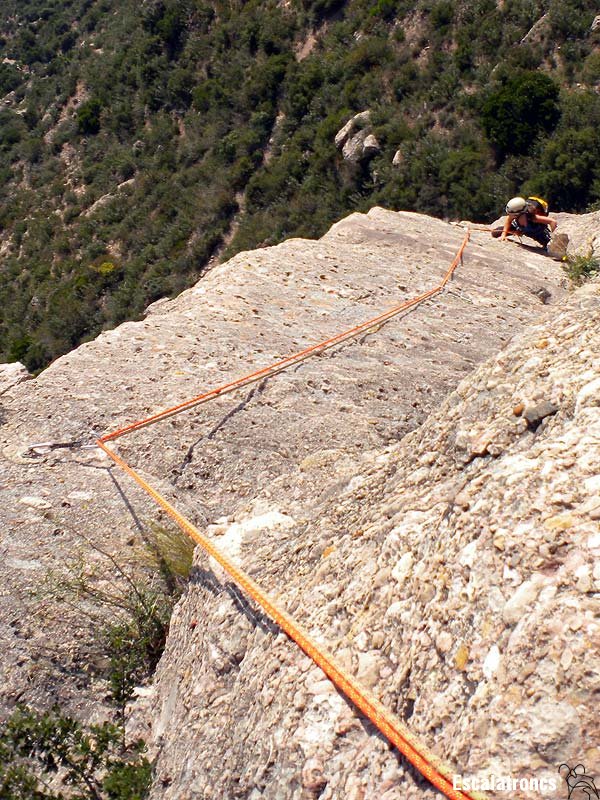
94 763
130 132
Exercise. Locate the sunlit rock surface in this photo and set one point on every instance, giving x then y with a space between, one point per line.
436 526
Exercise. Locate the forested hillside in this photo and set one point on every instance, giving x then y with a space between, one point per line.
138 140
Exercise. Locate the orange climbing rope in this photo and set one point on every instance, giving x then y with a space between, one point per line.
471 227
278 366
431 766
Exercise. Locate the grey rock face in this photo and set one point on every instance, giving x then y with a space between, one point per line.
355 140
371 146
439 546
456 573
362 145
354 148
357 122
12 374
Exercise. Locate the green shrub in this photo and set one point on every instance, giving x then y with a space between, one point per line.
569 19
386 9
18 347
591 68
321 8
139 608
368 53
88 117
569 170
10 78
12 129
135 644
514 115
37 749
166 21
407 81
461 183
581 268
442 14
265 81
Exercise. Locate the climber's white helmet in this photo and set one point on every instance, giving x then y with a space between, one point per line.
516 206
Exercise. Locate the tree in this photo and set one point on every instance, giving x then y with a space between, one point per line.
514 115
570 174
88 117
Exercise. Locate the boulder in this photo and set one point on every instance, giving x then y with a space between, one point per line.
371 146
360 147
353 150
355 139
357 122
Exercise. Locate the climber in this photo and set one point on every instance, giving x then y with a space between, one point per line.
523 217
529 217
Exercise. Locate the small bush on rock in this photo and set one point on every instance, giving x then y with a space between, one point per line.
580 268
42 754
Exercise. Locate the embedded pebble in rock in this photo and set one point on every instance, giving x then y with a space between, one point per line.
403 567
35 502
536 413
523 597
492 662
313 778
385 493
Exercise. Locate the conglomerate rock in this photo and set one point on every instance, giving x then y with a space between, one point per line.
443 548
455 573
11 375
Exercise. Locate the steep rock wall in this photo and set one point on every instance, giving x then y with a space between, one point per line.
456 574
245 465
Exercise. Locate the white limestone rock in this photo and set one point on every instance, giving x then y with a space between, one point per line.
357 122
12 374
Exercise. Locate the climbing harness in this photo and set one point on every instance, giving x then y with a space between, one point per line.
431 766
